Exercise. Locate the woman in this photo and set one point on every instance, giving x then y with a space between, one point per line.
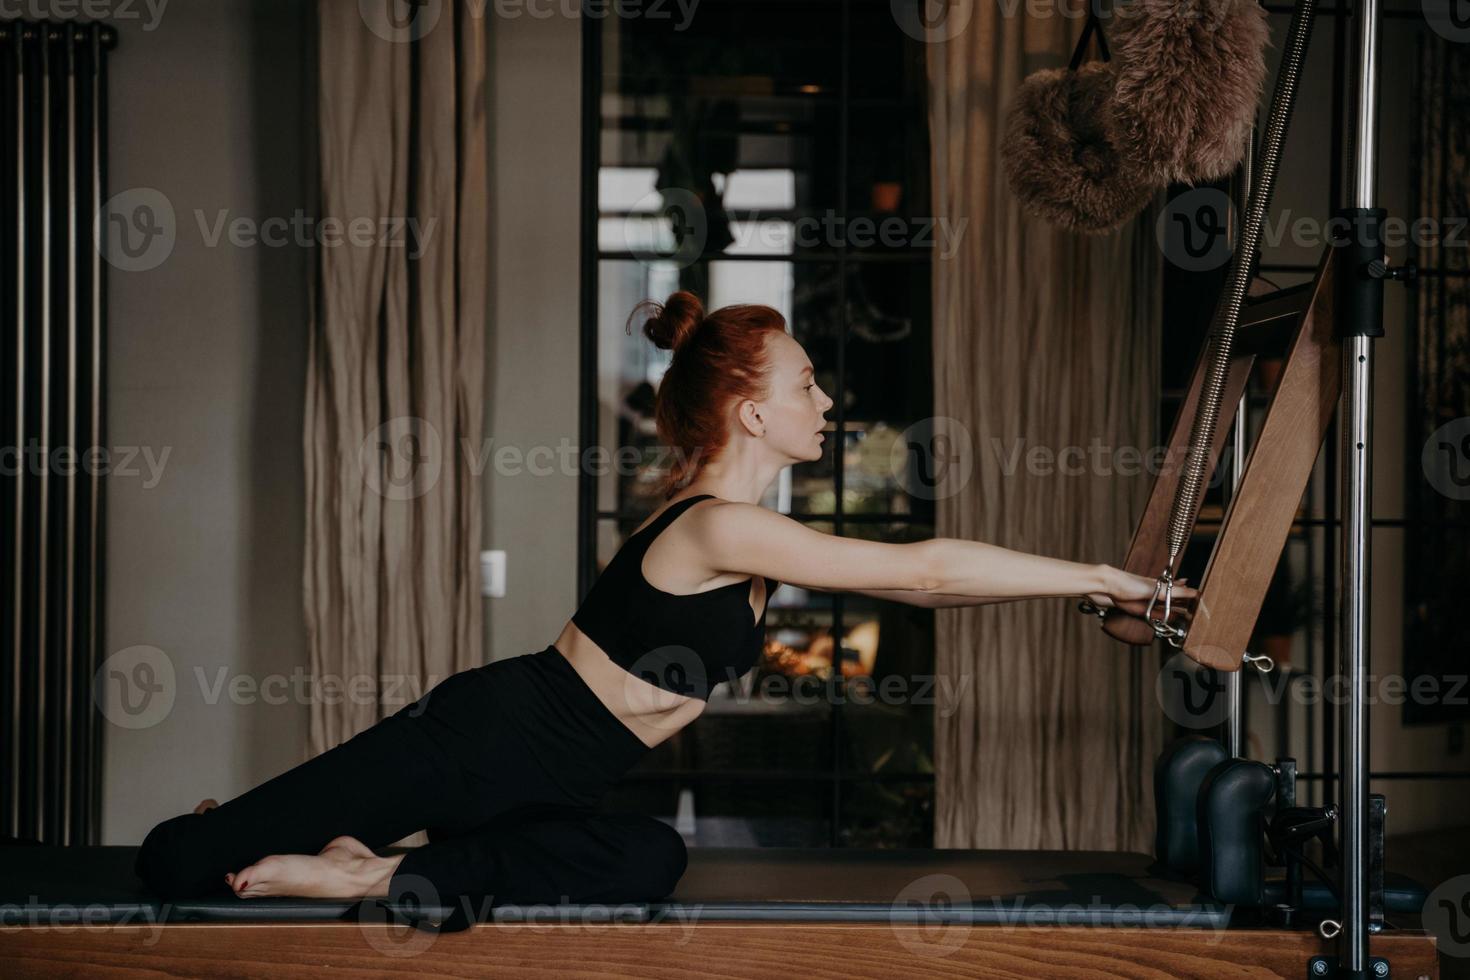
504 764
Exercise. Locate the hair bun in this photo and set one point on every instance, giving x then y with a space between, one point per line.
674 321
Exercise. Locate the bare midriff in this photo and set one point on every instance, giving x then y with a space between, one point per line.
649 711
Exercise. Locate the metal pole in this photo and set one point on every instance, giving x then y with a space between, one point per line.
1365 317
1234 720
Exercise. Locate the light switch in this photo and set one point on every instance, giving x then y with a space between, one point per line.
492 574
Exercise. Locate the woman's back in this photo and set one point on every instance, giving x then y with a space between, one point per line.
652 654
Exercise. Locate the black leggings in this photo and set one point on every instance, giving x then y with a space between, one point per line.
503 765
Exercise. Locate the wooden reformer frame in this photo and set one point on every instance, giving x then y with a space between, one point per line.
1298 324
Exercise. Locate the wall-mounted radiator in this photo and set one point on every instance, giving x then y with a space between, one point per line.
52 110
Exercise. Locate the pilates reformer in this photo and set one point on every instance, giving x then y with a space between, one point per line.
1324 331
1227 889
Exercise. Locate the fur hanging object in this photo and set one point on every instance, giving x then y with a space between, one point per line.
1060 156
1087 148
1189 78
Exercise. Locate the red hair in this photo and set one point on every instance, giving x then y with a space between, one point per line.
719 359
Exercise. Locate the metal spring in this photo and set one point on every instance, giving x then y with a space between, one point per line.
1227 312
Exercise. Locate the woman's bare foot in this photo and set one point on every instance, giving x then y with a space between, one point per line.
345 868
208 804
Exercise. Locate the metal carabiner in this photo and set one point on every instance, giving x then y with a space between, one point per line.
1161 627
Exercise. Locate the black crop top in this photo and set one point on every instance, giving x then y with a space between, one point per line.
682 642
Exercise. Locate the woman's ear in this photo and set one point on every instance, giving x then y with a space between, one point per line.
750 417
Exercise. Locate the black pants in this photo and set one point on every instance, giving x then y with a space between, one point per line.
503 765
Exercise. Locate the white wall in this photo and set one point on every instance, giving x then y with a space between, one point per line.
206 360
531 375
212 106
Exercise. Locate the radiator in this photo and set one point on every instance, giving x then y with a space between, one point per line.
53 98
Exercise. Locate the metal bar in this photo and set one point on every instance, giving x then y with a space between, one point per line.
1234 692
43 404
65 758
839 441
1398 775
587 484
101 41
1357 455
17 643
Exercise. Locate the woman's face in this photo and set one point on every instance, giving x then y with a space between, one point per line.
794 414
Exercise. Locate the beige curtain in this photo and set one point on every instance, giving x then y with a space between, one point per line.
395 371
1041 339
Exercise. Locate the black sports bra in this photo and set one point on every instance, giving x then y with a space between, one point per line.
682 642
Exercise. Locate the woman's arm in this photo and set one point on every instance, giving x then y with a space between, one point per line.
910 597
753 540
975 568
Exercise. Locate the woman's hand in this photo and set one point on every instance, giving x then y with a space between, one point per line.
1131 594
